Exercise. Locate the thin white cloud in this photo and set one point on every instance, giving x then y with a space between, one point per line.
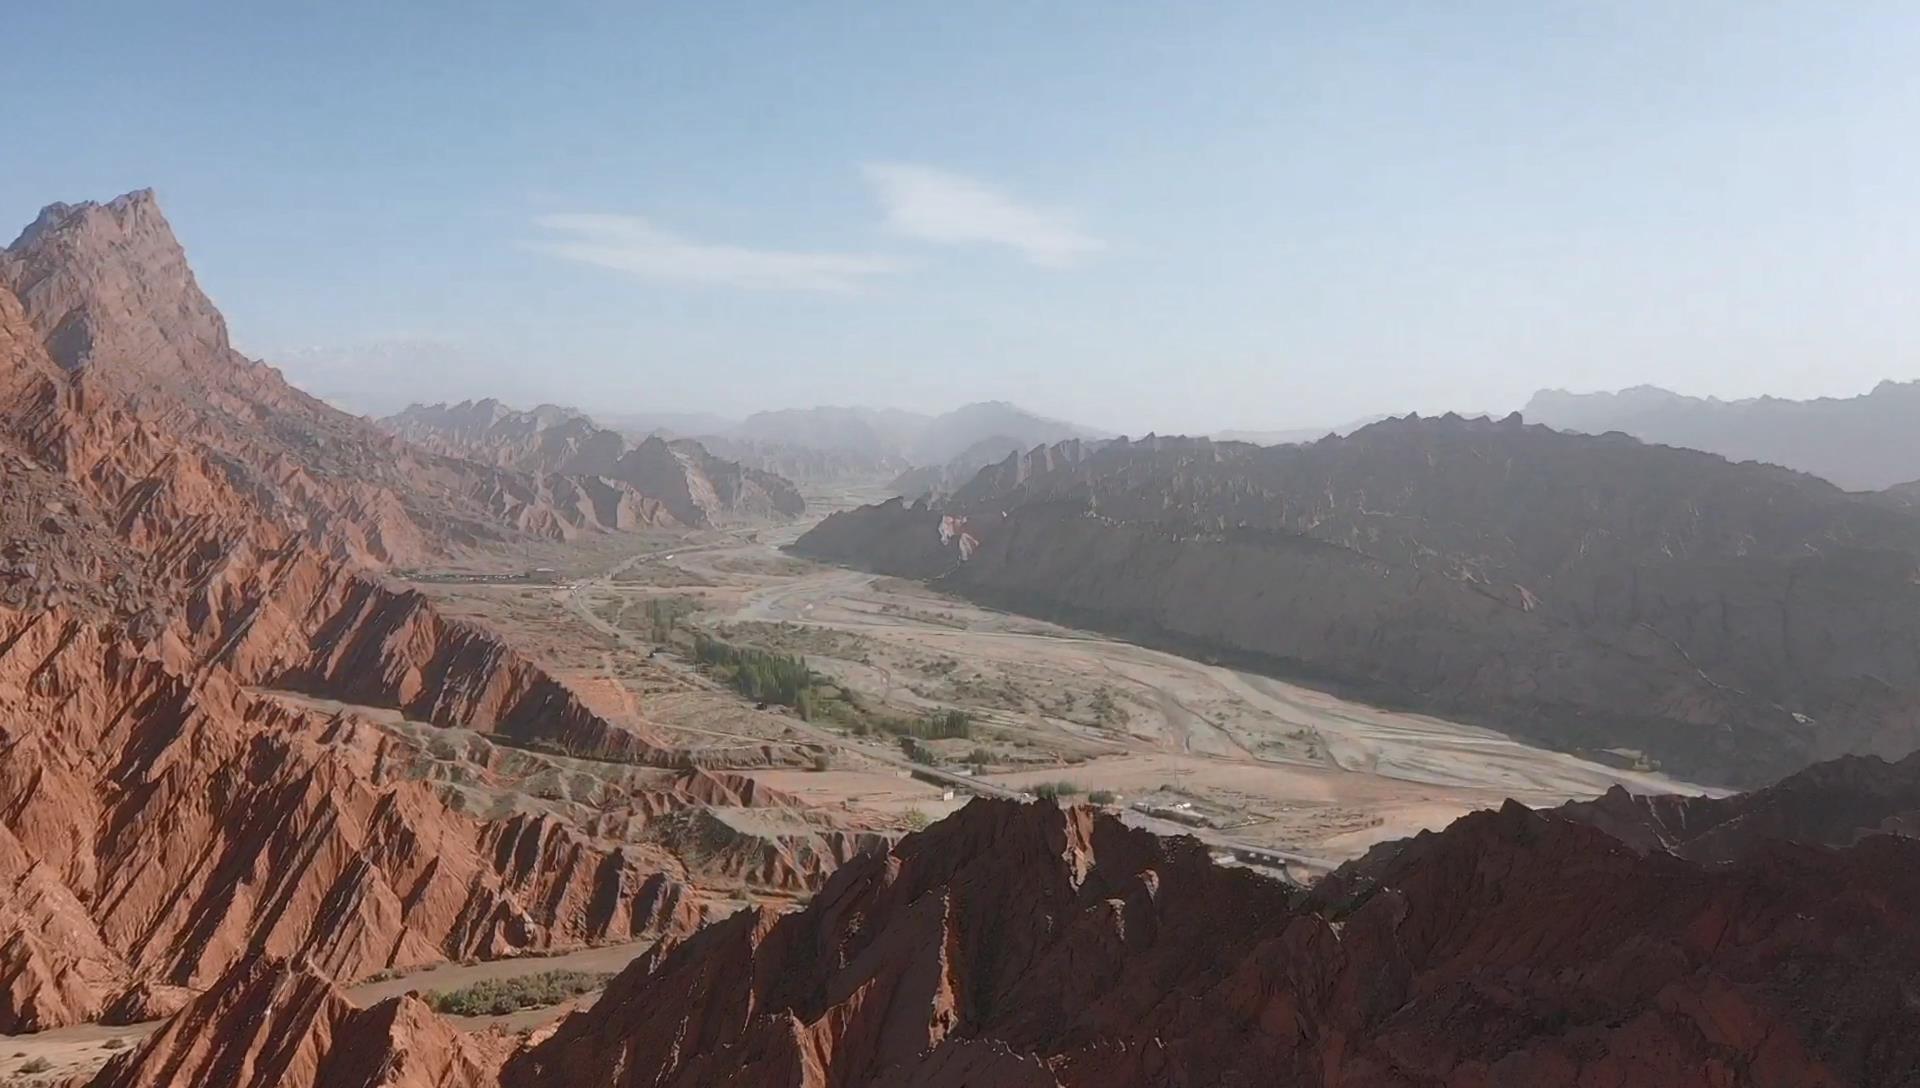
937 206
630 244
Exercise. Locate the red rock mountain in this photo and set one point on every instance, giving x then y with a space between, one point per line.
1027 946
293 1029
179 530
1735 621
695 486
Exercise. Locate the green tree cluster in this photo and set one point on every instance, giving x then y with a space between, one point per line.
757 674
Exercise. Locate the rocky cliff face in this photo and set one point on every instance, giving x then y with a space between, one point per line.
1033 946
108 294
1735 621
284 1025
694 486
941 480
1029 946
178 531
156 824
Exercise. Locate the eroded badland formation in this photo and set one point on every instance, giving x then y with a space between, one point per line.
185 534
292 703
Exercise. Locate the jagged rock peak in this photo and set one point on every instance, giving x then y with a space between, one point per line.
110 283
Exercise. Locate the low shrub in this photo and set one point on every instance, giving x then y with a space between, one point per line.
498 997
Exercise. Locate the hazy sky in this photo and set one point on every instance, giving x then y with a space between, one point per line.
1174 216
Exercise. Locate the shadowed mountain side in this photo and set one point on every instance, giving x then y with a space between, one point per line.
1734 621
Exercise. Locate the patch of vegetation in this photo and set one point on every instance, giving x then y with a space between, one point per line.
1053 791
917 819
36 1065
1100 797
663 616
757 674
797 638
498 997
949 724
845 707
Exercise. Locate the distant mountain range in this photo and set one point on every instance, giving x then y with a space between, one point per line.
697 487
1294 435
838 444
907 436
1733 621
1863 443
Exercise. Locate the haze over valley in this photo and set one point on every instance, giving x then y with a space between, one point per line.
892 548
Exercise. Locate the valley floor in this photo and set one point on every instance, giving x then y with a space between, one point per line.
1241 759
1263 770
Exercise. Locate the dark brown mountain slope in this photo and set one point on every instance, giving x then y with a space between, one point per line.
1736 621
1836 803
1026 946
695 486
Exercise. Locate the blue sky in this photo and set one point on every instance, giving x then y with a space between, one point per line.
1139 216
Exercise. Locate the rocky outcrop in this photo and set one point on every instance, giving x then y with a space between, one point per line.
740 490
732 827
149 369
156 827
943 479
681 477
1027 945
1036 947
270 1024
180 529
1734 622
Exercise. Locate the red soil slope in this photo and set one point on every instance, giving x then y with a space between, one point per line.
178 527
1040 948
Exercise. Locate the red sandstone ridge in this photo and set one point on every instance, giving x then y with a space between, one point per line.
178 529
156 827
1026 946
108 294
284 1026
